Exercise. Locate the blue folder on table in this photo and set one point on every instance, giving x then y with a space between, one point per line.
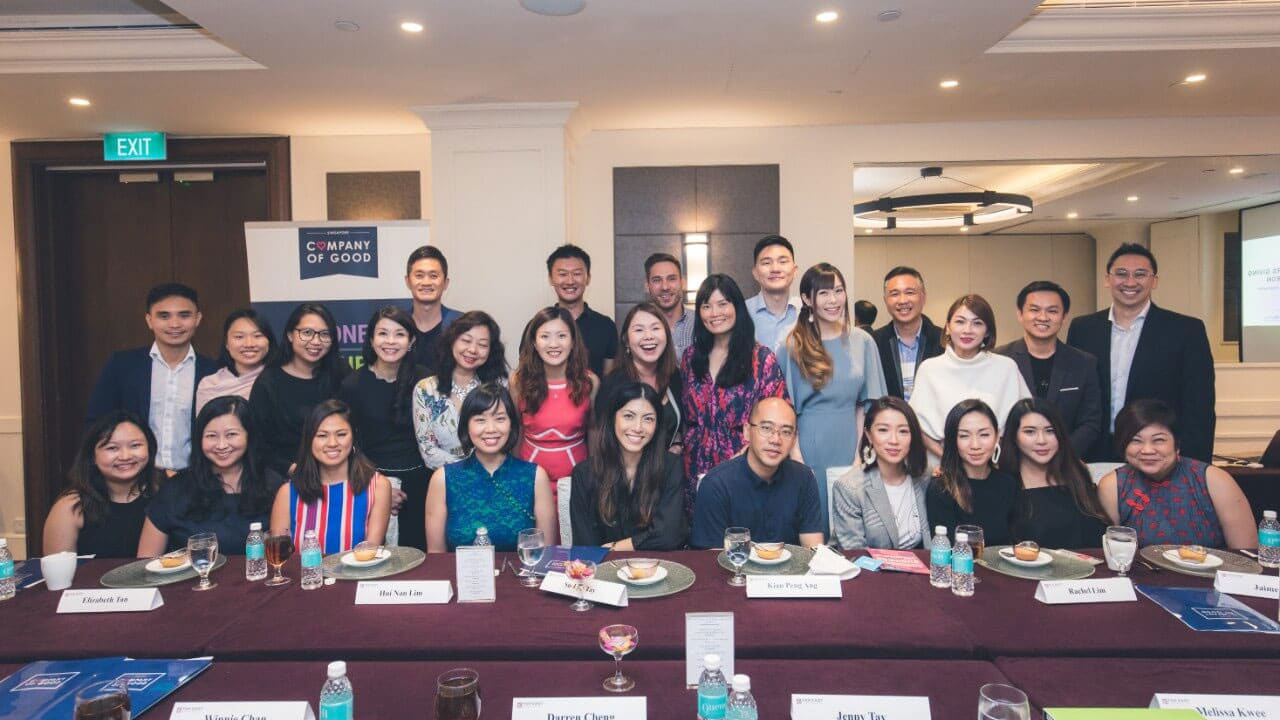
554 558
47 689
1210 610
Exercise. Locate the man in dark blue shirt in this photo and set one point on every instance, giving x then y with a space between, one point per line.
762 489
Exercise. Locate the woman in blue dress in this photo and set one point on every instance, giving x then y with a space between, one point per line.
833 373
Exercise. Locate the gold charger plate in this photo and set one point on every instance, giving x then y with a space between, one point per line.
679 578
1154 554
1062 567
135 575
797 565
402 559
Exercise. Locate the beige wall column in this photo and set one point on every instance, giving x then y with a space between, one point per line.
498 199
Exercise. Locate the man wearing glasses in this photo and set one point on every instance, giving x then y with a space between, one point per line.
1143 352
762 489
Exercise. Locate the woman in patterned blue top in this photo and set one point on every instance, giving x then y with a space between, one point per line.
489 488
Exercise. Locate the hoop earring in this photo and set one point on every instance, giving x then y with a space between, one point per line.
995 456
868 454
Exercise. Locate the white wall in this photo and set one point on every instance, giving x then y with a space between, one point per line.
12 514
311 157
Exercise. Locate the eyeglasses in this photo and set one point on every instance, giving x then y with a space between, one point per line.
1123 275
768 429
307 335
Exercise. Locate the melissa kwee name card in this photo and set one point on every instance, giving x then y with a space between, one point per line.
1213 707
1068 592
403 592
793 586
296 710
859 707
110 600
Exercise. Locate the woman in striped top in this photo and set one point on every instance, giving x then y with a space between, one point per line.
335 490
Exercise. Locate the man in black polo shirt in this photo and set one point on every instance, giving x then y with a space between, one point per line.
569 272
762 489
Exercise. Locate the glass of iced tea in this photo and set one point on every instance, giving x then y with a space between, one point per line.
458 695
278 549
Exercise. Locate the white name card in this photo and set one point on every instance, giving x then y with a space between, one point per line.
296 710
1067 592
403 592
1263 586
111 600
580 708
705 634
475 574
601 591
793 586
859 707
1265 707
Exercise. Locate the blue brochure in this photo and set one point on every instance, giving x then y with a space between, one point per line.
554 558
47 689
1208 609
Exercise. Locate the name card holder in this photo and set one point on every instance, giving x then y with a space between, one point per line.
848 707
403 592
613 708
293 710
475 574
110 600
600 591
1070 592
1255 707
1234 583
793 586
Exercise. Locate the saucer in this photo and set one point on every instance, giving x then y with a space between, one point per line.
1211 561
624 574
349 559
1041 560
785 556
155 567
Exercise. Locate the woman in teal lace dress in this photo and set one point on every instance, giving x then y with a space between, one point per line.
490 487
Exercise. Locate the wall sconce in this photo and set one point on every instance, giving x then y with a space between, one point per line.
696 263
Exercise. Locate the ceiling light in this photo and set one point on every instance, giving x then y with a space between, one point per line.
79 102
554 8
889 15
826 16
346 26
972 205
411 27
1237 170
948 84
1073 215
964 228
1132 198
1197 77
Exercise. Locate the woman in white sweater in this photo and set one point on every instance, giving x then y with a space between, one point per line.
966 369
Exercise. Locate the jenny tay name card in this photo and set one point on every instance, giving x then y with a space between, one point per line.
475 574
849 707
403 592
600 591
1234 583
707 633
601 708
1069 592
298 710
793 586
110 600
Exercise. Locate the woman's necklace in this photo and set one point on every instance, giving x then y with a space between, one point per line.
460 391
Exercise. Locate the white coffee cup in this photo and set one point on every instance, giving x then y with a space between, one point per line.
59 569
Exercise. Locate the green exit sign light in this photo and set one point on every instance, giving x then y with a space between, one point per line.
134 146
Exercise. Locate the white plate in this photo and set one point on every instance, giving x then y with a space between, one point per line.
349 559
1210 561
785 556
1043 559
155 567
658 576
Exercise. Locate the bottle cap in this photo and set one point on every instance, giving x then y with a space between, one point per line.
940 530
5 543
255 526
741 683
337 669
1269 514
962 537
711 661
482 530
309 534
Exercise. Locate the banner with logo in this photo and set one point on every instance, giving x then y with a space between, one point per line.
354 268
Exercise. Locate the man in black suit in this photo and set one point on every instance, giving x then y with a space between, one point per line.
1063 375
158 383
1144 351
910 338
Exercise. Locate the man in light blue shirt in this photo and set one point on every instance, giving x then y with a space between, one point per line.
771 310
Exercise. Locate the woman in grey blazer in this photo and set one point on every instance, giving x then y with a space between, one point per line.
881 502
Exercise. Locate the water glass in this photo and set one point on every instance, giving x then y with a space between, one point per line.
1002 702
737 548
530 545
1120 546
618 641
458 695
202 548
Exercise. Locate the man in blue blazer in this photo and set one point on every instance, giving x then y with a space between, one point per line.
1144 351
158 383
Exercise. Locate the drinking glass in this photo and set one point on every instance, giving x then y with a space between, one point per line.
618 640
278 549
531 544
737 547
582 571
104 701
1002 702
1120 545
202 548
458 695
976 541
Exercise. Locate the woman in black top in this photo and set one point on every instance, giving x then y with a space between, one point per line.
628 494
380 396
222 491
969 490
1057 505
648 355
112 481
308 371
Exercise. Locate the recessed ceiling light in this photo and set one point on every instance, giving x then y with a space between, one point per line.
1195 78
964 228
1132 198
948 84
79 102
868 231
1073 215
827 16
1237 170
889 15
346 26
554 8
410 26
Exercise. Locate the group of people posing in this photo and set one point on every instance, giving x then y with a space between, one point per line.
682 424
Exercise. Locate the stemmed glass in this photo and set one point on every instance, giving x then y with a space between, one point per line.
1120 545
279 548
582 571
1002 702
737 547
203 550
530 544
618 640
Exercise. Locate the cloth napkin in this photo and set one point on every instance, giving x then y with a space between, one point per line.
826 561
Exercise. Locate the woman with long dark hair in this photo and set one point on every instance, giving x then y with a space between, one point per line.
335 490
648 356
248 346
1057 504
969 488
223 490
308 371
628 494
380 396
725 373
113 479
832 374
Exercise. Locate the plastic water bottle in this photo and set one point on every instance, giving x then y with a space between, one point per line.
940 559
255 554
1269 540
337 702
482 537
962 566
312 556
741 705
7 588
713 691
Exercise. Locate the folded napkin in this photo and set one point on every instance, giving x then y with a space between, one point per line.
826 561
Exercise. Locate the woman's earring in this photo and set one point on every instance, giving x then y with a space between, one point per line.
868 454
995 456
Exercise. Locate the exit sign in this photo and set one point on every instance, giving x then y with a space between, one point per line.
134 146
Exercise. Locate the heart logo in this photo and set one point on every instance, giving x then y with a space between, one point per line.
321 245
